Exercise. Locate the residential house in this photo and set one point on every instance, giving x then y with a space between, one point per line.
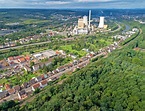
12 63
75 62
83 59
25 85
43 83
11 91
70 65
35 86
72 56
38 56
54 71
1 85
32 81
17 57
27 68
13 44
35 67
58 52
22 94
62 52
1 46
45 76
3 94
49 74
90 55
81 65
27 58
7 87
17 88
38 79
11 59
60 69
22 60
53 79
3 63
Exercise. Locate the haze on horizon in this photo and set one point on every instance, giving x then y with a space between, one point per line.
60 4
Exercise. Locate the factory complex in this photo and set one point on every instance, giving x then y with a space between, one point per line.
84 25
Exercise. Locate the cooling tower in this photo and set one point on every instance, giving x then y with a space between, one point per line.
101 23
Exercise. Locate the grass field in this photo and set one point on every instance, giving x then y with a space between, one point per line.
34 21
68 49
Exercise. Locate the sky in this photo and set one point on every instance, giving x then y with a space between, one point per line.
72 4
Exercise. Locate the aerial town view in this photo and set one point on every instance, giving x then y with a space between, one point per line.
72 55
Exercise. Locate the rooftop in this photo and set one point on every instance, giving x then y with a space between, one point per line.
44 82
35 86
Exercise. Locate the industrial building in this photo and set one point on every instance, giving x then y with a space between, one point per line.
101 23
83 26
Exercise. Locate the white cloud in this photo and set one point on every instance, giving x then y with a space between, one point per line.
94 0
56 3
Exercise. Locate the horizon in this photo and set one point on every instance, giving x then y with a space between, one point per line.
78 8
73 4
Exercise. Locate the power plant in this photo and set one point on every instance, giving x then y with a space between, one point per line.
84 25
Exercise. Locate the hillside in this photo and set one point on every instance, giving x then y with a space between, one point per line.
113 83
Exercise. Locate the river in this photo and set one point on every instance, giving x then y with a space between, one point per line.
127 28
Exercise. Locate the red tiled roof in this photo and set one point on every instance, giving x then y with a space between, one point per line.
44 82
91 55
27 58
11 91
57 52
1 85
7 86
35 86
12 62
22 59
17 88
70 65
42 76
11 58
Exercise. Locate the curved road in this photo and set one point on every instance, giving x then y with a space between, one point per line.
119 27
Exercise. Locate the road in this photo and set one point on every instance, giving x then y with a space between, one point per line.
119 27
39 43
15 47
11 97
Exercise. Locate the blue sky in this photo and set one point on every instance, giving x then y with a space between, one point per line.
60 4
